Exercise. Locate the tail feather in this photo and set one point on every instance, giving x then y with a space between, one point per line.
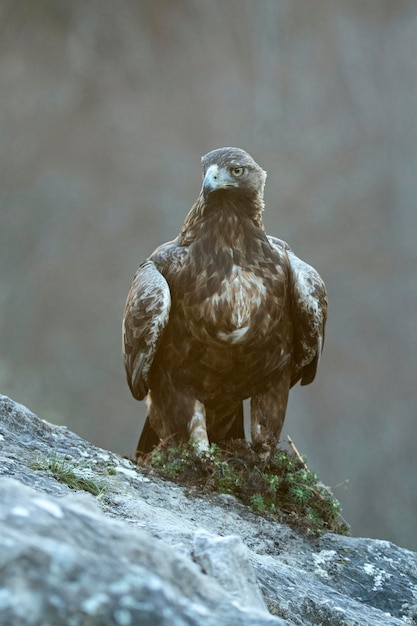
148 440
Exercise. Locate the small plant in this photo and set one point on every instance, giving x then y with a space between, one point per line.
257 503
78 477
281 486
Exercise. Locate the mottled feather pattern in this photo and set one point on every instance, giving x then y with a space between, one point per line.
220 314
309 308
146 316
232 283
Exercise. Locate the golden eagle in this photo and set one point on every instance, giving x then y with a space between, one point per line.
222 313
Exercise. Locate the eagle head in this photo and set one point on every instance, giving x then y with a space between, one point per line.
232 170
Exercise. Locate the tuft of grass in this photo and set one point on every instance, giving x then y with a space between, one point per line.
278 485
76 476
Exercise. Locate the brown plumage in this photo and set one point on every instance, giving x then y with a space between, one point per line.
222 313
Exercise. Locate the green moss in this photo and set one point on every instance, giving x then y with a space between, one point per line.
280 485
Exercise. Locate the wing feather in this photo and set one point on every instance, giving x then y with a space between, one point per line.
145 318
309 310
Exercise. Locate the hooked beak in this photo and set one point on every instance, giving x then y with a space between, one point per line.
216 178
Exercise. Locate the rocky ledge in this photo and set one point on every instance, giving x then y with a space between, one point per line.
87 538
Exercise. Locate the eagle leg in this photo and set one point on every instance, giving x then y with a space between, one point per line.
220 431
268 412
175 415
197 427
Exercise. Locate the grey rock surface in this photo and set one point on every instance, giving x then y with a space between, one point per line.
144 551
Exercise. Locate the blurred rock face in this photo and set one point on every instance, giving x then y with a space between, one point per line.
104 117
142 551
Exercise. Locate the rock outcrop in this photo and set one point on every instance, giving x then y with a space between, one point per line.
143 551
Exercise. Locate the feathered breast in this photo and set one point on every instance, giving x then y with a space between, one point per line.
232 285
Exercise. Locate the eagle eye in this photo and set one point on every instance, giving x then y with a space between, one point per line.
237 171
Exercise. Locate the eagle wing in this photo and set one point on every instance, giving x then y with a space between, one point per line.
145 318
309 312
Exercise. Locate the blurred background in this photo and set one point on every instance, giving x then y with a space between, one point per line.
105 110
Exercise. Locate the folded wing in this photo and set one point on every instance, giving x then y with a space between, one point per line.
309 313
145 318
